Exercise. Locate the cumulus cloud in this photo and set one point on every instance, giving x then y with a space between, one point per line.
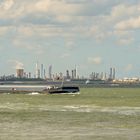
124 10
65 55
122 33
97 32
33 47
26 30
62 10
12 10
129 67
7 4
42 5
54 7
3 30
69 19
16 64
95 60
132 23
70 44
126 41
54 31
64 18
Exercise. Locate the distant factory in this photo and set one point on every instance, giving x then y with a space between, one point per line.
73 74
103 76
43 72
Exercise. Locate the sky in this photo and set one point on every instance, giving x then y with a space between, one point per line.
92 35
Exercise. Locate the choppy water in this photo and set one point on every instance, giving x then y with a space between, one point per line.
23 87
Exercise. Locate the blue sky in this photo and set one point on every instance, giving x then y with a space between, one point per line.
94 35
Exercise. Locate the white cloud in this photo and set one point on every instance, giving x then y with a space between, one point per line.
42 5
65 55
55 7
129 67
48 31
95 60
7 4
3 30
58 18
64 18
12 10
97 33
6 30
126 41
53 31
124 10
32 47
26 30
70 44
122 33
132 23
16 64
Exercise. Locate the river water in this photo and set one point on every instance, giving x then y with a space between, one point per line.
22 87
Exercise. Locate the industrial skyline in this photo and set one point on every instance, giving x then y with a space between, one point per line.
42 72
46 73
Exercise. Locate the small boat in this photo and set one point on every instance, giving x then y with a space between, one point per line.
63 90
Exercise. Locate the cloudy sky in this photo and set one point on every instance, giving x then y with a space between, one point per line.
94 35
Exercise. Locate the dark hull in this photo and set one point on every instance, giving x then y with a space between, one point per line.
64 90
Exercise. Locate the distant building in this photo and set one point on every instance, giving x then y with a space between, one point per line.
20 73
61 75
25 75
42 71
72 74
44 74
50 72
110 75
102 76
37 71
29 74
114 73
67 74
75 74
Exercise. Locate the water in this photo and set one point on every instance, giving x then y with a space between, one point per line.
22 87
